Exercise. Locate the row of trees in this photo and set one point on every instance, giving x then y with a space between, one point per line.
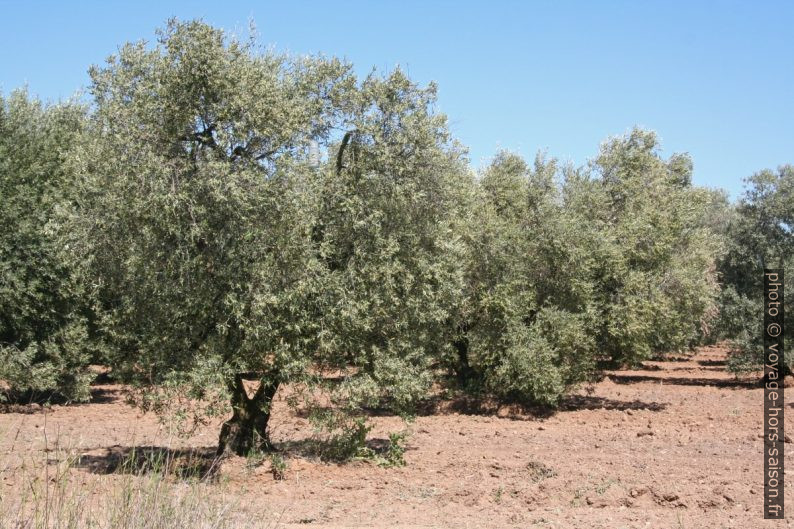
759 235
221 221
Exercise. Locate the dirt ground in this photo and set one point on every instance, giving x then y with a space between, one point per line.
676 444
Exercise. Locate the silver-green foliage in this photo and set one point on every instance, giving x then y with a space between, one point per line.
196 211
524 331
43 312
759 236
249 215
614 262
392 196
657 284
241 214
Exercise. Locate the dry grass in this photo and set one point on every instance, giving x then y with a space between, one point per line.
145 492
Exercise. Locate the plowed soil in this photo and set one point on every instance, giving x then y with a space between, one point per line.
676 444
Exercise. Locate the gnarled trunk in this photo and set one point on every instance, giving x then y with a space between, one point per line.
463 370
246 431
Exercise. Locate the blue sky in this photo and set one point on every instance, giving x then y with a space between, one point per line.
715 79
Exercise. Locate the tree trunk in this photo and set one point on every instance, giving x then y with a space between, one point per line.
464 371
246 431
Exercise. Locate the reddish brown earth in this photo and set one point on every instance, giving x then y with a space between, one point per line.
677 444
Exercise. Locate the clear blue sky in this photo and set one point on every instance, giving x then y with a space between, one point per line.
715 79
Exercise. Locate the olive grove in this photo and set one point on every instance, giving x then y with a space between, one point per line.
222 221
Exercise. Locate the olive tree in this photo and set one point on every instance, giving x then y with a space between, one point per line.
44 346
197 222
759 236
657 286
565 268
393 194
523 333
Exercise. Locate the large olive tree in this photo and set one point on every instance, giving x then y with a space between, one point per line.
197 219
253 220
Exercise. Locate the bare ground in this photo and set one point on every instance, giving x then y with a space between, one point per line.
676 444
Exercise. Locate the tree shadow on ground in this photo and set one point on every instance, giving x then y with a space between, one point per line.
104 395
685 381
29 402
486 406
677 368
589 402
527 411
671 358
330 451
650 367
194 463
714 363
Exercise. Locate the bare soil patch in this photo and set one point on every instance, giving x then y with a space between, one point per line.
674 444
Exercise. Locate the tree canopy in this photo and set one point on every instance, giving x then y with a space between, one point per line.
44 347
222 220
759 236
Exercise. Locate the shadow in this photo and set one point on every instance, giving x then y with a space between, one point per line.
671 358
369 411
195 463
103 378
586 402
714 363
684 368
104 395
30 399
527 411
328 451
650 367
37 401
474 405
685 381
26 409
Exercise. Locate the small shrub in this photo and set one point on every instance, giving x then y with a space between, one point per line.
538 471
278 466
349 443
394 456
